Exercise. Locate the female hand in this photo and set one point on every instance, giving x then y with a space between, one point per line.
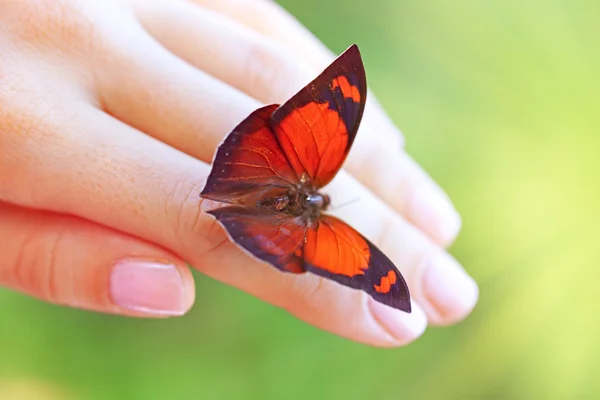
110 113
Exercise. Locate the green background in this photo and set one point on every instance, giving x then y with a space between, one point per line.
498 100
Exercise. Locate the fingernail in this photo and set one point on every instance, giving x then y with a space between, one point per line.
403 327
448 289
432 212
148 286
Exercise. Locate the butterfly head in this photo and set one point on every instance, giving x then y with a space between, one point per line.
316 201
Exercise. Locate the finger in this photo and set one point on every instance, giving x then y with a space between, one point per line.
69 261
436 280
269 72
178 77
151 190
399 181
285 34
151 89
271 21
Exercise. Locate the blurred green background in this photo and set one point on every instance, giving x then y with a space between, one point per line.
498 100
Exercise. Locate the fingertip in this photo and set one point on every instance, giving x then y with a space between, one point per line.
399 327
151 287
348 312
449 293
70 261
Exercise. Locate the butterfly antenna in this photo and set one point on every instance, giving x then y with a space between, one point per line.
338 206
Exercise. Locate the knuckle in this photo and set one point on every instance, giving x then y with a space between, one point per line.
194 229
36 263
63 24
49 266
303 291
25 130
11 83
178 207
36 122
308 288
10 119
386 230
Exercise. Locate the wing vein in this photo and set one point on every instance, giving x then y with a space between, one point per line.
297 155
348 243
268 160
246 165
238 178
310 128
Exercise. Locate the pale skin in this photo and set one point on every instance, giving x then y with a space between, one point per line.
110 113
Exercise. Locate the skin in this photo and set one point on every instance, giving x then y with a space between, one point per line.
110 113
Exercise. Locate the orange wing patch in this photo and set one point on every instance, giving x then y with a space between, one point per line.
336 248
386 283
348 90
317 126
314 139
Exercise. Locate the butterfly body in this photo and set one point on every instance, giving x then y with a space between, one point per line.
300 200
270 169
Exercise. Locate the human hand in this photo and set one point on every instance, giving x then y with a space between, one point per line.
110 113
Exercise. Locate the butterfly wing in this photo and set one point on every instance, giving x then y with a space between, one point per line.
310 134
249 162
275 238
335 250
273 150
317 126
329 248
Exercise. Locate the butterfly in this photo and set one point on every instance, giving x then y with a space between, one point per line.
269 170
